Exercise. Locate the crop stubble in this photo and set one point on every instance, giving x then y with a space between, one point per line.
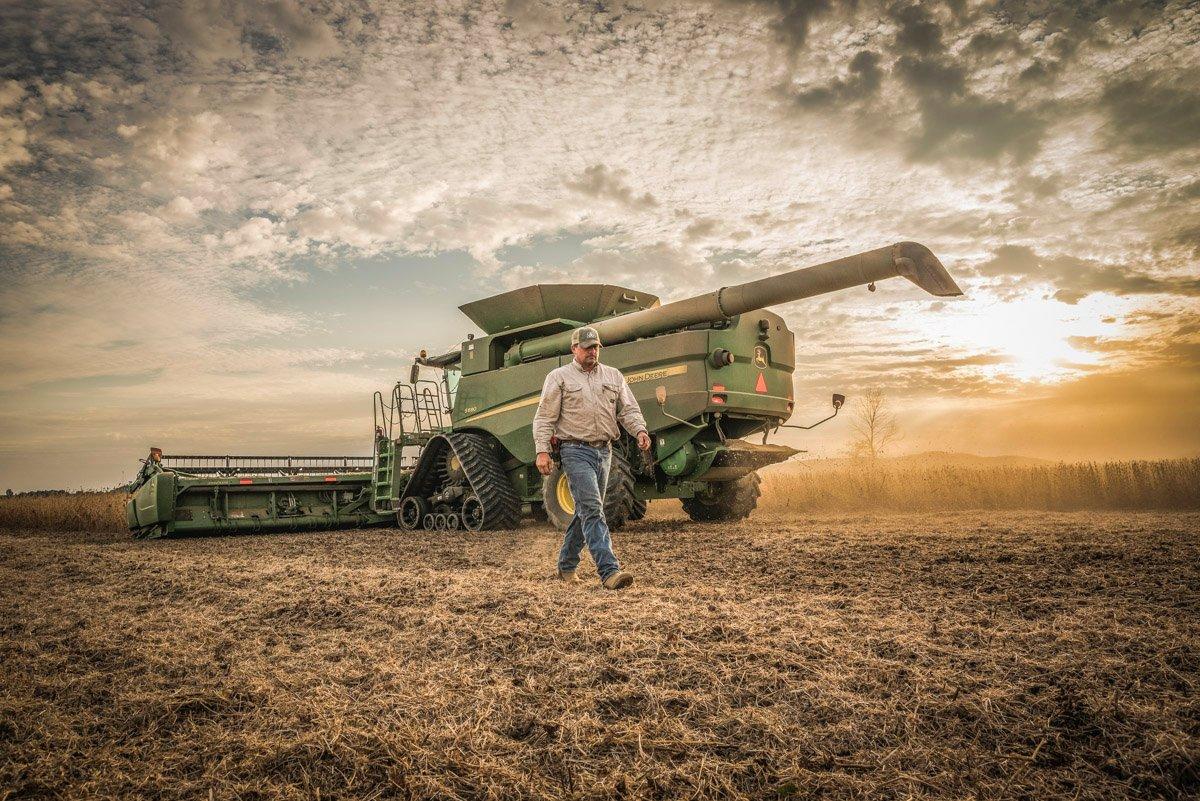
993 654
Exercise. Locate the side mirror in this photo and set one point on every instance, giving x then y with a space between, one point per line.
838 400
414 373
660 395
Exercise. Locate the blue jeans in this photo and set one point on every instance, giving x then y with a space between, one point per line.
587 473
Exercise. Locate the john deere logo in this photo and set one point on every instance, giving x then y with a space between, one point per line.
760 357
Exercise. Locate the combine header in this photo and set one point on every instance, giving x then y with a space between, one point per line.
215 494
708 371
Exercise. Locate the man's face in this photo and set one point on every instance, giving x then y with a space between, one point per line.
587 357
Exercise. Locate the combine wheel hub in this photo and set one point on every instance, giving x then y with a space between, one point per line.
562 490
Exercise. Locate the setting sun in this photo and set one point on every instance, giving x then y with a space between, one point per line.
1033 338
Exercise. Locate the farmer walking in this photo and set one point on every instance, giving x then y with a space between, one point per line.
581 406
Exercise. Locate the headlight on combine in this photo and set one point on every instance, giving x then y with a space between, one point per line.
720 358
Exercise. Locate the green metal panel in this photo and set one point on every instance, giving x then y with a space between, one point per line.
773 358
680 461
487 353
502 402
153 503
170 503
532 304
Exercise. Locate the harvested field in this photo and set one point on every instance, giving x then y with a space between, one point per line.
954 655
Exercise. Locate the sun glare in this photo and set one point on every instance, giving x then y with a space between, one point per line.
1032 335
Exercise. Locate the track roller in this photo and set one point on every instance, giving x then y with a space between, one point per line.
411 514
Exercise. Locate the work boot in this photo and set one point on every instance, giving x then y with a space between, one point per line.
618 581
568 577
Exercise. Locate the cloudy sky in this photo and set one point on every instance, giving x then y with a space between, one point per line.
223 225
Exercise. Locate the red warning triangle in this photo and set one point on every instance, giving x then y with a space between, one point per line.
761 386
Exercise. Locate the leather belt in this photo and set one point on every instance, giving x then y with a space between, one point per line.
599 443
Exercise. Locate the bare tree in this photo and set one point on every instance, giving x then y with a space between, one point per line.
873 424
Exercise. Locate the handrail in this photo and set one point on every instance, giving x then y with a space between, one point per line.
265 465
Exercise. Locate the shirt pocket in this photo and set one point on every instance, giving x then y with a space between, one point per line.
572 399
611 393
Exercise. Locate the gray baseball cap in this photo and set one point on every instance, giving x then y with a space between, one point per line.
585 337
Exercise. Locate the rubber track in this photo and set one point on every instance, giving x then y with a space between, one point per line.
486 477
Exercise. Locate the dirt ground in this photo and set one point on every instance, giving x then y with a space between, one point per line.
965 655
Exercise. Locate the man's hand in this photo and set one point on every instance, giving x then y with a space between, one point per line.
643 441
543 463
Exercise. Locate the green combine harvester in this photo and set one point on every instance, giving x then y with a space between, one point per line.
456 450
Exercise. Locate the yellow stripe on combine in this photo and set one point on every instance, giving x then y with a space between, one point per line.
508 407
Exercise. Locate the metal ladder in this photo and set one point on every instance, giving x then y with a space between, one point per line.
413 415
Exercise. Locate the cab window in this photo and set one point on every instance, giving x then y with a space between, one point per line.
452 374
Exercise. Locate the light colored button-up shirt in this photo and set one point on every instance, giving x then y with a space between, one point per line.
585 405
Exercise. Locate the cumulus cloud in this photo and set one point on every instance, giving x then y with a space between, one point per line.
13 141
257 239
13 134
1074 278
184 208
211 30
956 121
974 127
1154 114
600 182
863 80
792 19
11 93
536 17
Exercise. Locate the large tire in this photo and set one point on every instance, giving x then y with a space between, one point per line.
725 501
620 503
637 510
